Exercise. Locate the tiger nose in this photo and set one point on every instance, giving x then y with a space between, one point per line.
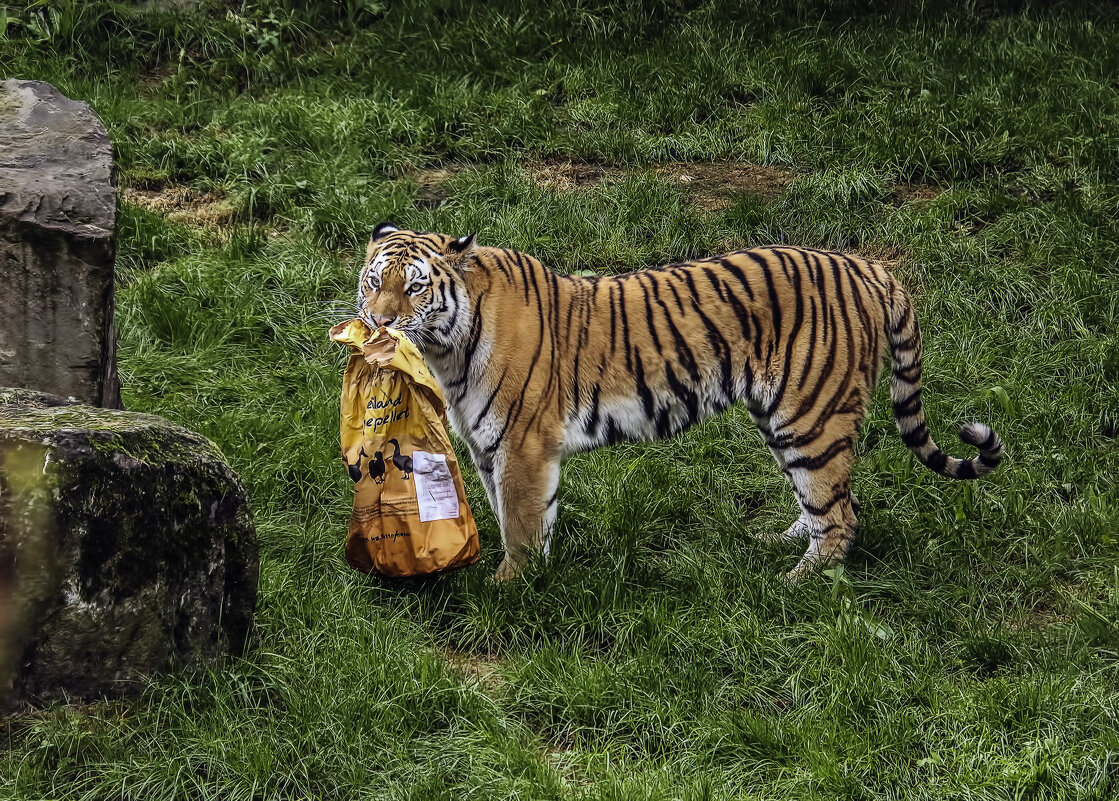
380 321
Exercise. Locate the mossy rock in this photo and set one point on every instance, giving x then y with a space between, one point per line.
129 547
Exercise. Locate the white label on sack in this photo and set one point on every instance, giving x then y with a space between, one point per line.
435 487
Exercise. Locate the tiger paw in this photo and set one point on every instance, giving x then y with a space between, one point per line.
508 569
798 530
806 567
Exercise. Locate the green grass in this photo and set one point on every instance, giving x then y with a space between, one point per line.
970 648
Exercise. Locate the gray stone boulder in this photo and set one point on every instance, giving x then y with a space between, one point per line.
127 549
57 217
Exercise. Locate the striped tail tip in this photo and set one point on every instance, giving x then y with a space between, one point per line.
989 443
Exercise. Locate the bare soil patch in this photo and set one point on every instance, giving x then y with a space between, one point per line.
431 183
484 670
713 186
183 205
900 194
568 176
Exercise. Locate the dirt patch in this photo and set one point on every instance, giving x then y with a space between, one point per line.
713 186
900 194
484 670
568 763
431 183
568 176
1038 620
183 205
716 185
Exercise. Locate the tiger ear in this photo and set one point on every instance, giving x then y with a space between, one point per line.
382 230
462 248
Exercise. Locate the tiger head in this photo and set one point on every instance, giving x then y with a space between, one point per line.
412 281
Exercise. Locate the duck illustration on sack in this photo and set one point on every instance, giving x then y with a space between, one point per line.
402 462
355 469
377 467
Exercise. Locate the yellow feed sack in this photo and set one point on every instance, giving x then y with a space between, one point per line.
410 513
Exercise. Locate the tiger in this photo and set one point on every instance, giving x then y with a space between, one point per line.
537 365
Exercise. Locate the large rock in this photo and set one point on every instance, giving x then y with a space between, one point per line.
129 548
57 217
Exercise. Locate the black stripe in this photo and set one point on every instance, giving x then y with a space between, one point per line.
916 437
683 351
489 401
808 401
910 343
531 270
493 446
722 352
806 368
650 321
613 433
775 307
820 511
896 330
625 325
501 259
613 320
472 339
643 390
990 461
910 406
820 460
853 404
521 261
757 328
553 326
683 392
676 295
576 390
798 321
816 269
716 284
866 328
743 317
531 369
687 276
592 419
734 269
586 297
442 296
937 461
910 374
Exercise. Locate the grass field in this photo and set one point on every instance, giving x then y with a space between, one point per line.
969 649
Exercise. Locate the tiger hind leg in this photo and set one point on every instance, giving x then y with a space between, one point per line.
821 475
802 526
799 527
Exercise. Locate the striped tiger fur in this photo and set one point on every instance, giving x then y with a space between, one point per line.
537 365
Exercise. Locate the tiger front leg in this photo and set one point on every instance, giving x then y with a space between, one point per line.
485 469
527 495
